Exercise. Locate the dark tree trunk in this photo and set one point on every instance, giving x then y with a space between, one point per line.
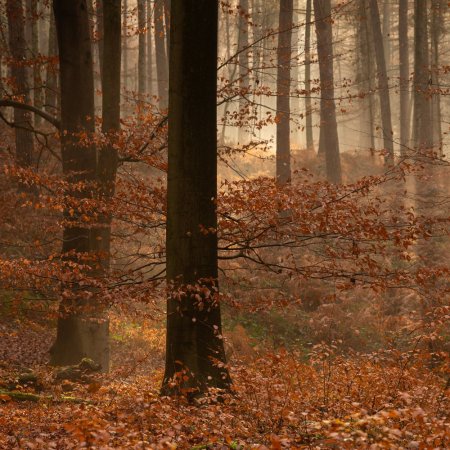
160 53
283 151
108 157
19 72
82 330
100 37
308 106
387 32
37 79
51 84
329 140
195 354
383 88
404 75
142 63
125 44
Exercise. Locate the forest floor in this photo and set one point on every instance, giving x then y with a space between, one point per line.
377 401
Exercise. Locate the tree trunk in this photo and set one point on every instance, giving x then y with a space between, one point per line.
125 44
383 88
387 32
243 65
308 105
82 330
160 53
19 72
422 107
108 157
195 357
100 37
142 64
283 151
329 140
404 75
37 79
149 48
51 85
167 6
436 27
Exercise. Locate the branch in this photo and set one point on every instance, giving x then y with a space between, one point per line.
49 118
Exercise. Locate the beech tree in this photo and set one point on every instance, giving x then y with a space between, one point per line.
329 141
195 357
160 53
283 150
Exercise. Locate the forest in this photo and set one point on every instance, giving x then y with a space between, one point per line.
224 224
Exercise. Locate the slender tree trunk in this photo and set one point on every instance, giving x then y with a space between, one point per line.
150 48
387 32
383 86
160 53
195 354
243 65
422 107
125 44
167 6
82 330
37 79
51 85
142 64
100 37
329 140
436 27
18 47
308 105
404 75
283 151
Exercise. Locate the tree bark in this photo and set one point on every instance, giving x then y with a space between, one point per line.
329 140
142 63
160 53
308 105
51 84
404 76
283 151
37 79
383 86
243 65
149 48
82 330
20 88
195 357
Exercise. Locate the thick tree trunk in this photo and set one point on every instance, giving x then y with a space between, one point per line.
19 72
329 140
108 157
283 151
404 76
383 86
195 354
308 104
142 50
160 53
82 330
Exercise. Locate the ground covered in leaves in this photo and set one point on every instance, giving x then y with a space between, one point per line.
279 400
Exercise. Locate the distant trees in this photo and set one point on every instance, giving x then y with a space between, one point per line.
195 357
329 140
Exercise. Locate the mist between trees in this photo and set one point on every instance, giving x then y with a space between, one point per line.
224 224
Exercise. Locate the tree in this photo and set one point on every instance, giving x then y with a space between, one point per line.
329 141
404 75
19 74
195 357
383 88
243 61
308 107
160 53
81 330
283 151
142 66
51 83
